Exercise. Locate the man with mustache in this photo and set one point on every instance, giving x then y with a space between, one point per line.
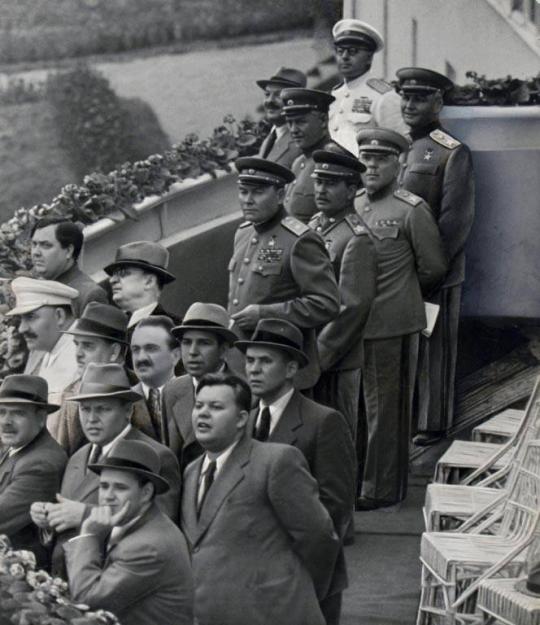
155 353
205 341
279 146
439 169
279 267
31 461
45 311
105 400
411 263
306 112
361 100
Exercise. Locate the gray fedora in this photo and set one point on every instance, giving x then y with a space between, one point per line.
103 321
26 389
146 255
208 318
105 380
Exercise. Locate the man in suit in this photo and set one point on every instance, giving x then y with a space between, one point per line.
129 558
353 256
439 169
56 244
205 340
262 544
137 278
155 353
273 357
411 264
306 112
100 336
361 100
45 310
105 402
279 267
31 461
278 145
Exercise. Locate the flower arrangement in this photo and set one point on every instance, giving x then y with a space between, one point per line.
507 91
32 597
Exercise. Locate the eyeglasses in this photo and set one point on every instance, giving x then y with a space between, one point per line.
351 50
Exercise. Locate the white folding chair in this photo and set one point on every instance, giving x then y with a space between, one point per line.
499 428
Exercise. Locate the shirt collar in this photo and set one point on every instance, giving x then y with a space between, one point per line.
276 408
146 389
141 313
220 460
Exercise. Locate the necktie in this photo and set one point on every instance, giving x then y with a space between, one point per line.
96 455
262 431
270 141
208 480
154 399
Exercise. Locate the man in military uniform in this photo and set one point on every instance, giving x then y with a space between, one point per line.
306 112
280 267
278 145
361 101
411 264
353 256
439 170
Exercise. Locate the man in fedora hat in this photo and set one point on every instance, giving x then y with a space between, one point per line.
31 461
262 543
439 169
306 112
205 340
155 353
274 354
280 267
45 311
411 264
137 278
99 336
129 558
360 100
105 401
278 146
56 245
353 256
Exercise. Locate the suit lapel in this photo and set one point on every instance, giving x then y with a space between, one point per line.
229 477
80 484
289 422
282 145
189 503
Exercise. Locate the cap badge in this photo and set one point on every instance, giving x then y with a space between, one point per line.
251 172
325 165
413 81
374 142
289 102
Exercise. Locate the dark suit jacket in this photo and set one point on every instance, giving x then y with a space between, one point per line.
323 436
283 150
32 474
89 290
263 546
82 485
145 578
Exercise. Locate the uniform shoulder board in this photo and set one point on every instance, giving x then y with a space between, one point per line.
356 226
245 224
295 226
444 139
379 85
408 197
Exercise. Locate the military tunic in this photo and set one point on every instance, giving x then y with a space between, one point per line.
364 102
339 343
439 169
283 267
411 263
300 196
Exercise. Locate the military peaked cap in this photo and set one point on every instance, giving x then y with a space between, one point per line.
381 140
358 33
333 164
421 79
254 170
299 101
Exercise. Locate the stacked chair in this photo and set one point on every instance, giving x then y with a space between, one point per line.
500 519
499 428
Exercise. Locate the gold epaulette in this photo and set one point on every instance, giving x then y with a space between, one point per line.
354 222
294 225
444 139
408 197
379 85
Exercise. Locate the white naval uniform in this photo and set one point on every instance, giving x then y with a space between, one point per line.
364 102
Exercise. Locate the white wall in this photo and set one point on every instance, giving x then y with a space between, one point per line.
478 35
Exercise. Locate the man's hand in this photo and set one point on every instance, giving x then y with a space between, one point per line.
39 514
102 520
248 317
66 514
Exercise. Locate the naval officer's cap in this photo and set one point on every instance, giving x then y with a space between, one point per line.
357 33
256 171
381 140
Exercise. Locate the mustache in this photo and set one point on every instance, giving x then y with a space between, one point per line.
142 363
28 334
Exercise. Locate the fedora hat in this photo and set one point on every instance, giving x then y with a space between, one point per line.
108 380
146 255
209 318
31 294
103 321
278 334
135 457
285 77
26 389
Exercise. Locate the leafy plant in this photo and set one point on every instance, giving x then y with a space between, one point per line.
505 91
